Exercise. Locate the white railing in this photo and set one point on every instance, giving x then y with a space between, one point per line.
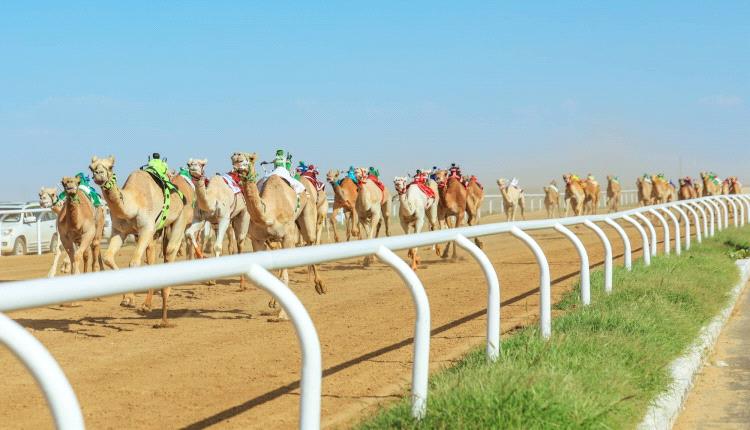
535 201
38 221
713 211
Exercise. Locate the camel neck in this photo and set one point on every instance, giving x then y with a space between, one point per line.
201 195
116 201
256 207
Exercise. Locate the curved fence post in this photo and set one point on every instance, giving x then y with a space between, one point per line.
696 221
545 295
628 252
644 239
57 390
723 204
735 221
704 216
421 330
312 373
665 228
719 214
584 256
676 222
607 254
686 220
712 215
741 205
493 296
652 230
746 199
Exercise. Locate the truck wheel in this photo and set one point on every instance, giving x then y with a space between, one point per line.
19 247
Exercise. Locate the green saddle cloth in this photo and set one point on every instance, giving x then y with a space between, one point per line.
161 179
91 193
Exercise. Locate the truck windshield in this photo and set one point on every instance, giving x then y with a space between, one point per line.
11 218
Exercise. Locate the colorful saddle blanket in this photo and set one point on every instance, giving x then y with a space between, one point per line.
92 195
424 188
313 178
233 181
284 174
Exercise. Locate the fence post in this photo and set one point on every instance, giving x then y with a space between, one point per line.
628 252
545 306
677 240
741 205
665 228
585 275
704 205
39 234
734 210
644 239
720 200
421 330
717 213
493 296
746 199
686 220
607 254
651 229
696 221
310 380
60 396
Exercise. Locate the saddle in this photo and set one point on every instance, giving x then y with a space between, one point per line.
313 178
424 188
474 179
90 193
233 180
168 187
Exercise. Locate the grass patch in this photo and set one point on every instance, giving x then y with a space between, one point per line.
603 364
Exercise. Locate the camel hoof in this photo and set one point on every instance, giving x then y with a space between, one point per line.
164 324
126 303
144 310
272 304
320 288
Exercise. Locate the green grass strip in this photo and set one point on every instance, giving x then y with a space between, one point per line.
603 364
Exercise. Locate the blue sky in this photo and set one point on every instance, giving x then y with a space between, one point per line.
527 89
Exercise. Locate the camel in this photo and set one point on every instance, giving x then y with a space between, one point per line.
219 204
592 191
138 209
711 184
513 199
451 204
613 193
344 199
80 226
552 199
661 191
725 186
373 205
687 190
318 195
575 195
416 207
698 189
644 186
278 215
474 199
735 186
48 198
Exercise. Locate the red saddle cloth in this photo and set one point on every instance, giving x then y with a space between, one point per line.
424 188
313 178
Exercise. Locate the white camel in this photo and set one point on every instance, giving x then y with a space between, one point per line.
415 207
513 198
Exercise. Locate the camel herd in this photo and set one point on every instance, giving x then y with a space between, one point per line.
285 209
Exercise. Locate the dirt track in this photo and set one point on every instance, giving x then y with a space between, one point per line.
225 366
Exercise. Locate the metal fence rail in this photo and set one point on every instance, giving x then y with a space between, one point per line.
714 211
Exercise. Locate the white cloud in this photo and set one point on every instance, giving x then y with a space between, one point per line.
723 100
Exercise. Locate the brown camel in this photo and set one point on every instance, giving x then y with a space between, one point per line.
48 198
687 190
137 209
317 193
698 189
80 226
613 193
474 199
277 216
592 190
644 186
661 191
725 186
552 199
735 186
711 184
575 195
513 199
451 204
373 206
344 199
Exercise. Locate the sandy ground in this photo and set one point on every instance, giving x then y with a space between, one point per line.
225 366
721 394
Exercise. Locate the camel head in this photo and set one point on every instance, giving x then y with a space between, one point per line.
197 168
441 176
101 169
400 183
567 178
333 175
47 197
70 184
502 182
243 162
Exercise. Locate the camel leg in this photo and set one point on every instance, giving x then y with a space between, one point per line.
450 224
260 245
370 231
172 245
332 218
459 220
115 243
308 229
145 240
385 216
55 258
